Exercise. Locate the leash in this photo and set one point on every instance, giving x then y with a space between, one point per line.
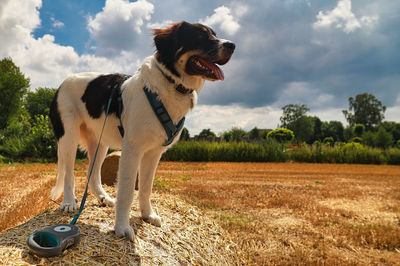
53 240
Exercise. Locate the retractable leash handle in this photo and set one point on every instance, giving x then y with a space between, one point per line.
53 240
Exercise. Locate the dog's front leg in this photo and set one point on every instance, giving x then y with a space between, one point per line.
128 168
147 170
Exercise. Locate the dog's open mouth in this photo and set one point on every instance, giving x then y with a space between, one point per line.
199 66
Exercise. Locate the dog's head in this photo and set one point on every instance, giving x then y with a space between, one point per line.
192 49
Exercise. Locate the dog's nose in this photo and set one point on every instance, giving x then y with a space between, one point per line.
229 45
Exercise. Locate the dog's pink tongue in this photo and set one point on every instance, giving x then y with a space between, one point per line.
214 68
217 72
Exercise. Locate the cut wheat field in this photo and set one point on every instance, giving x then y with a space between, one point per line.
276 213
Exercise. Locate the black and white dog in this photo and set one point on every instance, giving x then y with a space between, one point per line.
186 55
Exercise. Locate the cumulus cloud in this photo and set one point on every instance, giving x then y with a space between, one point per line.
343 18
45 62
222 118
41 59
116 28
17 21
224 19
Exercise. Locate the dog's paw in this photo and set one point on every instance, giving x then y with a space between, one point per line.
125 231
69 206
153 219
107 201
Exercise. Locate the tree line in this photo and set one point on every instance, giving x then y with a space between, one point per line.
25 131
365 117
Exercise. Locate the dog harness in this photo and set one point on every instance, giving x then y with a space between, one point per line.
163 116
157 106
117 89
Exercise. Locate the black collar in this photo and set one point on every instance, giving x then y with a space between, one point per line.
179 88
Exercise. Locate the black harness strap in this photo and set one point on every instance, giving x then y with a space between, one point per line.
117 90
163 116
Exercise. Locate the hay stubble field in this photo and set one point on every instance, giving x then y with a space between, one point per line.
276 213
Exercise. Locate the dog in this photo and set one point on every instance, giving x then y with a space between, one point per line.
186 55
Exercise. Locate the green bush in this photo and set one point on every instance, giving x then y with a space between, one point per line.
356 140
13 138
393 156
281 135
41 142
21 139
301 154
357 153
359 129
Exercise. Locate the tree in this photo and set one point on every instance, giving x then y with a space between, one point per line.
365 109
333 129
303 129
206 134
281 135
393 128
291 113
255 134
185 134
317 128
38 102
13 86
235 134
383 139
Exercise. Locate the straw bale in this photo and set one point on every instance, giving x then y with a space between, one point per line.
109 169
186 237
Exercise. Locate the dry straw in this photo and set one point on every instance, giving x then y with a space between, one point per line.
187 237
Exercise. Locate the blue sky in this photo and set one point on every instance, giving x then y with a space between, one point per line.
317 53
67 20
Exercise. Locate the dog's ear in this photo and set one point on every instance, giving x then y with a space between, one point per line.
167 43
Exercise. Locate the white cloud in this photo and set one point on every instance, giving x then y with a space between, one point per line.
223 118
393 112
46 63
329 114
116 28
159 25
43 61
224 19
342 17
56 23
17 20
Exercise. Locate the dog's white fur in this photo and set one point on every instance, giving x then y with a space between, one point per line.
141 146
